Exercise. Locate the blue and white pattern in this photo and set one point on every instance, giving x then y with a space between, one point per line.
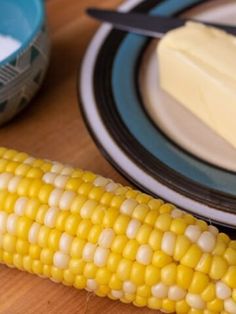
21 78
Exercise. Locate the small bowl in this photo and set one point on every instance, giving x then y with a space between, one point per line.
22 73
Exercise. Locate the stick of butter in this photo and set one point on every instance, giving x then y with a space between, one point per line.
198 68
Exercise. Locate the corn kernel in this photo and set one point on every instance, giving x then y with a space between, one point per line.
137 273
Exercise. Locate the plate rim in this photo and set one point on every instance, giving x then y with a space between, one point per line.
86 95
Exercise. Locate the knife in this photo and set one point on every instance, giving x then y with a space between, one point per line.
148 25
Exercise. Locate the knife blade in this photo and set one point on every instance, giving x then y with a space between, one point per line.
148 25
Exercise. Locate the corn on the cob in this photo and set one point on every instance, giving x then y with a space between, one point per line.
86 231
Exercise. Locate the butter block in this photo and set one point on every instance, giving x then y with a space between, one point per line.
197 66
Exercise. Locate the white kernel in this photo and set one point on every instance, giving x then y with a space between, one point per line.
51 217
230 306
144 254
193 232
33 233
87 209
111 187
88 252
106 237
60 260
195 301
213 230
132 228
91 285
4 180
11 223
100 181
13 184
20 206
129 287
57 167
60 181
128 206
168 243
176 293
65 243
160 291
100 256
176 213
222 290
206 241
118 294
66 200
29 161
49 177
67 171
54 197
3 222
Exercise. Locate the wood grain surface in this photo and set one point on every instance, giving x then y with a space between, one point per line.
52 127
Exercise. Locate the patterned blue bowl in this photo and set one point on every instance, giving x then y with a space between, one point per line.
22 72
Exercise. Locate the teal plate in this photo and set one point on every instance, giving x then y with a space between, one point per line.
114 112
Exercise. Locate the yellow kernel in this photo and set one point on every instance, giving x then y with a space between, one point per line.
73 184
182 307
152 275
90 270
103 276
115 283
151 217
113 261
46 256
117 200
143 233
140 212
163 222
230 256
43 236
34 173
106 198
140 301
102 290
110 218
40 215
32 208
80 282
209 293
84 228
144 291
131 249
85 188
178 226
27 263
155 303
3 165
37 267
98 215
124 269
94 234
160 259
215 305
61 220
18 261
143 198
11 166
72 223
88 176
181 247
224 237
184 276
22 227
168 274
69 277
137 273
199 282
166 209
192 256
7 258
9 243
44 193
10 202
218 268
121 224
76 266
77 247
155 239
204 263
219 248
22 247
22 170
229 277
57 274
96 193
119 243
34 251
35 187
53 239
168 306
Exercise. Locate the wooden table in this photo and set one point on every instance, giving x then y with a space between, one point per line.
52 127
